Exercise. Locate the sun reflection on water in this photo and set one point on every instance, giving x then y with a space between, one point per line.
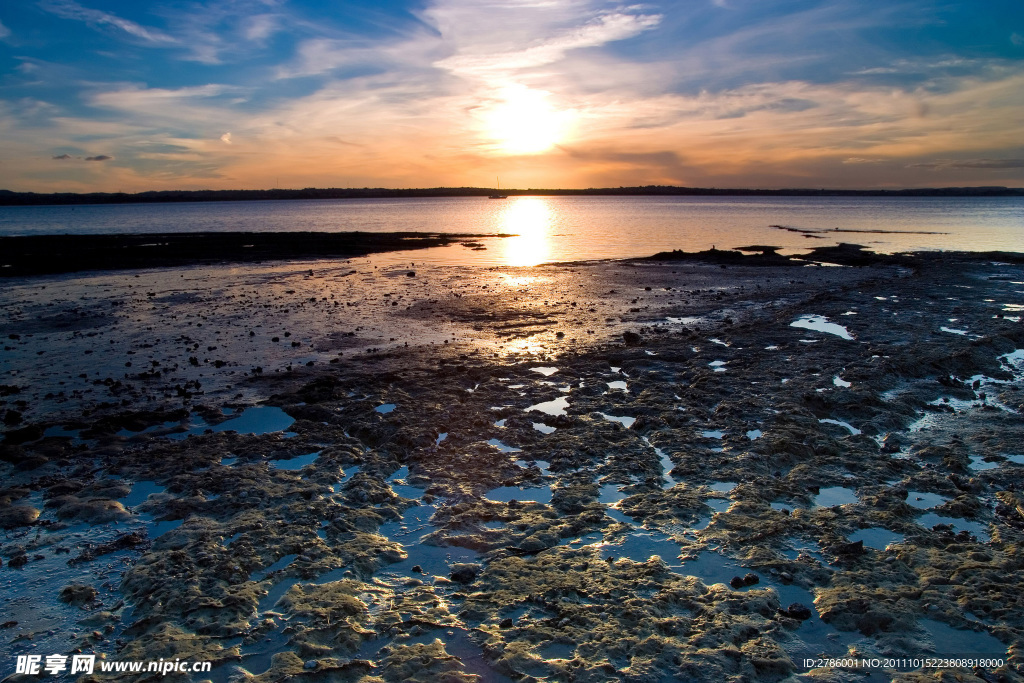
529 219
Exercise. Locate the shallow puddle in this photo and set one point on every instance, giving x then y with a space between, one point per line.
546 371
618 385
610 494
141 490
876 537
231 539
955 642
257 420
385 408
433 560
979 529
853 430
158 529
922 500
666 465
543 428
1018 459
840 382
127 433
296 463
718 504
624 420
978 464
754 434
502 447
712 434
252 420
587 539
544 465
643 544
261 574
799 546
722 486
57 431
398 485
618 515
348 473
539 494
835 495
555 406
820 323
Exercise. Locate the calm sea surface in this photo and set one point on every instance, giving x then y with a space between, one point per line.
575 228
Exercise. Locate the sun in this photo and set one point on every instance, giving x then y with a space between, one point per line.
523 121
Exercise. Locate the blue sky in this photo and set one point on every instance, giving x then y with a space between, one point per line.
116 95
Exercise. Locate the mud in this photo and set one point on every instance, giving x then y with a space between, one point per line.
704 501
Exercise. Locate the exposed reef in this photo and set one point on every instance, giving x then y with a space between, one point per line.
733 473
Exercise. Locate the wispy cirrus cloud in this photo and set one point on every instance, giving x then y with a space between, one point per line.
69 9
477 60
942 164
4 31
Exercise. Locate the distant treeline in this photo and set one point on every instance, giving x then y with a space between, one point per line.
8 198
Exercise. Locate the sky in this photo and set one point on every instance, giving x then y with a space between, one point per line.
120 95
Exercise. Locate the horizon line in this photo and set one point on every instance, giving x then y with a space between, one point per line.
15 198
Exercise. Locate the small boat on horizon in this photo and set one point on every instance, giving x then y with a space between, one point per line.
498 194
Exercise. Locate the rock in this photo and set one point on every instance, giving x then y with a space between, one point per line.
464 573
892 443
90 511
631 338
748 579
416 569
17 515
411 273
798 611
16 562
847 549
505 623
78 594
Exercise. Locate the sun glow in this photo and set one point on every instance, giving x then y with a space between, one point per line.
525 122
529 219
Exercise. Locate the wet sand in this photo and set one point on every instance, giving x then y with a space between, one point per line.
675 469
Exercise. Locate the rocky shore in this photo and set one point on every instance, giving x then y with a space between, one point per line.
713 468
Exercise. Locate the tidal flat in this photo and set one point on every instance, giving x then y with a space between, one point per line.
714 468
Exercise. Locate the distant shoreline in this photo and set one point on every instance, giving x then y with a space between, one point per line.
32 255
9 198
